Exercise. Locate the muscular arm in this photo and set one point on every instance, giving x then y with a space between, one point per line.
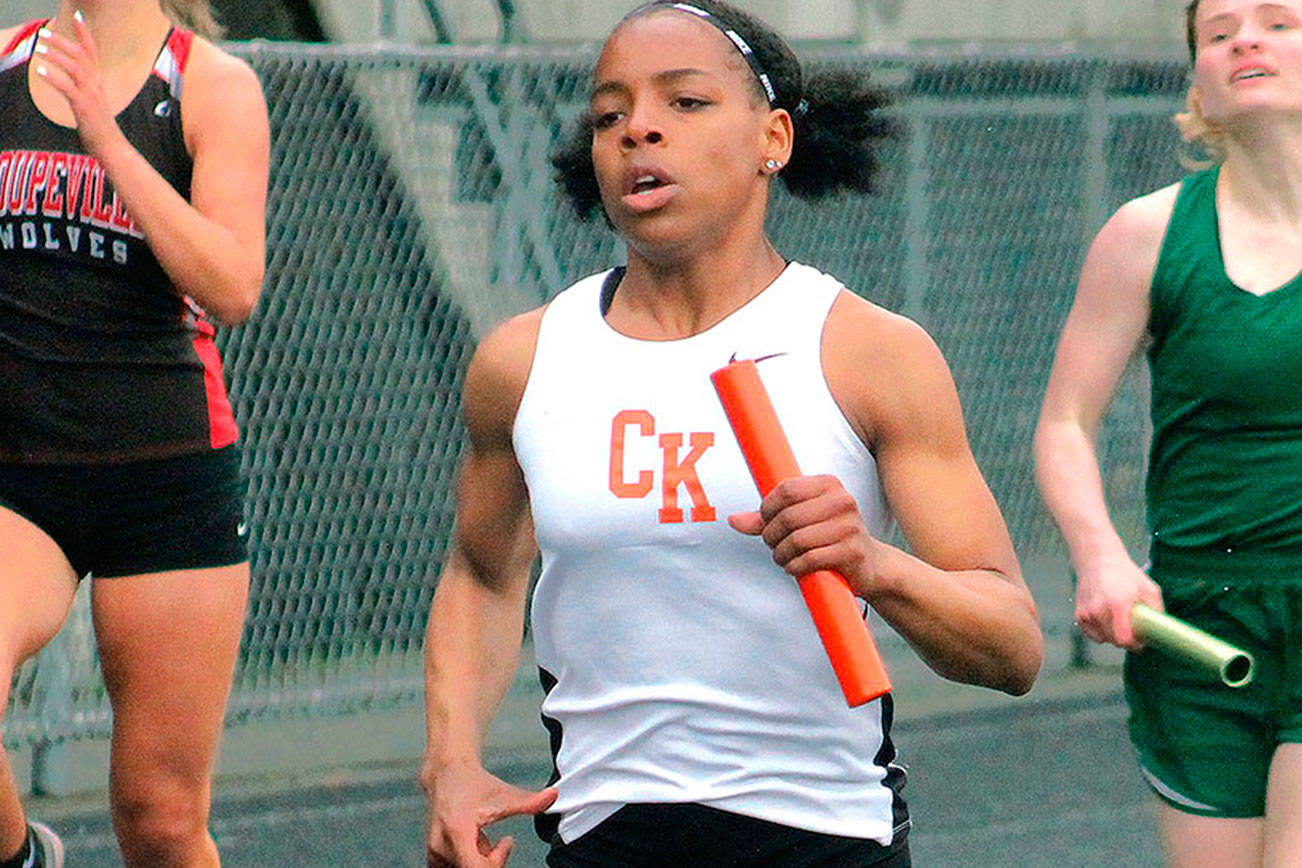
959 599
477 617
213 246
476 620
1104 328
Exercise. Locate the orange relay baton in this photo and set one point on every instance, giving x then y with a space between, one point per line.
840 625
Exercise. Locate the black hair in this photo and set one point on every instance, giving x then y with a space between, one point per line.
1191 29
837 117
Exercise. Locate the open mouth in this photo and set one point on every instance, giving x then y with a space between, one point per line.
1255 72
646 183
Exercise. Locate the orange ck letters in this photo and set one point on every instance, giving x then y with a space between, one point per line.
675 473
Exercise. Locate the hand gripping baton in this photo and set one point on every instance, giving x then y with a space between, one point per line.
1232 665
840 624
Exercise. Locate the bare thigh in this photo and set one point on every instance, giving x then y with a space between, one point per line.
1192 841
1284 808
168 643
37 586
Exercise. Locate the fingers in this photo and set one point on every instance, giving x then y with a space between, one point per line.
514 802
812 523
466 847
498 855
67 52
792 491
55 65
85 38
749 523
60 61
1151 594
1109 622
1122 633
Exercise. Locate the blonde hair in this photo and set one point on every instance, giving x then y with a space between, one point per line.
1204 141
1205 144
194 15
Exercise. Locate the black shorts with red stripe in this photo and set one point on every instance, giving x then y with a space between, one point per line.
136 517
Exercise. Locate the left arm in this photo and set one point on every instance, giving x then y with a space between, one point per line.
961 601
214 245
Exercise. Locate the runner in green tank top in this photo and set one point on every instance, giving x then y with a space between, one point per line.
1206 274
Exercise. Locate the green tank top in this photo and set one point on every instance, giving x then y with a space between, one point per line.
1225 471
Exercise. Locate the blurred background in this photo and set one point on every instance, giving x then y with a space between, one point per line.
863 23
412 208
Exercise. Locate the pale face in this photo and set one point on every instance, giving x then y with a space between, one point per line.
1249 59
679 136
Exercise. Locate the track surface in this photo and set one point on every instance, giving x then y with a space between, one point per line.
1048 785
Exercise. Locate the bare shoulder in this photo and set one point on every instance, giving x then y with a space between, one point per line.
858 327
1137 228
1117 276
884 370
211 67
223 103
221 88
497 376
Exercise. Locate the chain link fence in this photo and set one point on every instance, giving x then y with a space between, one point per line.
412 207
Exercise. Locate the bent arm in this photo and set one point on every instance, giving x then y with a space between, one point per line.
959 599
1104 329
213 245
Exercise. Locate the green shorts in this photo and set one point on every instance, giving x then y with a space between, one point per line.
1205 748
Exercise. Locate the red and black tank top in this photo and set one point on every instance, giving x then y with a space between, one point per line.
100 358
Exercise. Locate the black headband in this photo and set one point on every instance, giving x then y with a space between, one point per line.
734 37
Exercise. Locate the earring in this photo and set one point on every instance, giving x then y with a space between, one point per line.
772 165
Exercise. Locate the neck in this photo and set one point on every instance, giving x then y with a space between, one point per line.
122 28
1263 170
665 300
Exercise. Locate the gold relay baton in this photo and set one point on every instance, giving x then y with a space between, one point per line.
1232 665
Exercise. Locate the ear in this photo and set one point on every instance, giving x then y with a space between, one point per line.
777 138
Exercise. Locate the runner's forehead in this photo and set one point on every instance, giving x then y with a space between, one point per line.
666 43
1212 10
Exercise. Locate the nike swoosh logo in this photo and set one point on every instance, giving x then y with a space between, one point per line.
760 359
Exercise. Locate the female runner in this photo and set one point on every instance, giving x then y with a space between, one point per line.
1205 273
133 177
693 715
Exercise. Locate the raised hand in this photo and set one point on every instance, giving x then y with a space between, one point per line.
72 67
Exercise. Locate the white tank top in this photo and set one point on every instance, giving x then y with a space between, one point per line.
686 667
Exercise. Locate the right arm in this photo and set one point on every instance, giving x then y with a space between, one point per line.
1104 329
477 617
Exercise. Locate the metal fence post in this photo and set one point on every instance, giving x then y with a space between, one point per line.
1094 210
917 219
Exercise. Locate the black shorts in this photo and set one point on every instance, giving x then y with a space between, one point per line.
136 517
677 836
